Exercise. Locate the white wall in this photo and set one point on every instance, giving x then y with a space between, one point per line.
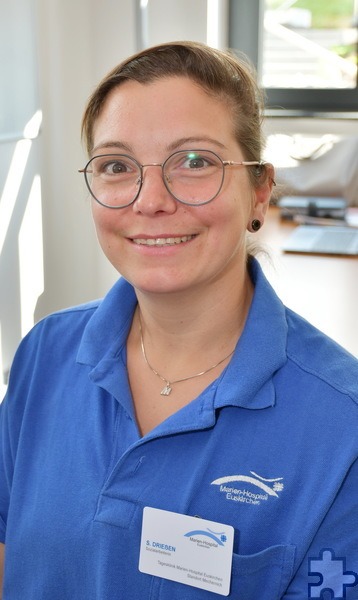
19 157
77 43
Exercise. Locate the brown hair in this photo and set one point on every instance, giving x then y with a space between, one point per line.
219 73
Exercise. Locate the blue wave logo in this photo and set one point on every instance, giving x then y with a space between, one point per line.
269 486
218 537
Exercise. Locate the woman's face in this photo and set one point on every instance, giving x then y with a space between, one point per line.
150 122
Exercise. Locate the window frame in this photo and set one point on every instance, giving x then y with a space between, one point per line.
246 34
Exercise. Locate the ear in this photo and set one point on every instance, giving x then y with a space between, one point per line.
261 194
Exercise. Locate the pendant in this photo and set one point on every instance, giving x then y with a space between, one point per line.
166 389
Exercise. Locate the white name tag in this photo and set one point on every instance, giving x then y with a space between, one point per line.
186 549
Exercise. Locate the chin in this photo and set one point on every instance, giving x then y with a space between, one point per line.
158 287
152 284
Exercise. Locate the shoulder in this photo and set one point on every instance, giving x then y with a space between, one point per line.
320 358
73 313
67 324
305 362
49 346
57 340
73 321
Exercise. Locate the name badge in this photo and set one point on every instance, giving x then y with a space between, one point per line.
186 549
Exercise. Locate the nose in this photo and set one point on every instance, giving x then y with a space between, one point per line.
154 196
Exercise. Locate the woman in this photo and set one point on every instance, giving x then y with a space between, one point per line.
190 390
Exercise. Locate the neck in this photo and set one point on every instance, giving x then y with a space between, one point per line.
190 323
178 345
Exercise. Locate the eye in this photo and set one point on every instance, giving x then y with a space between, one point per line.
114 167
192 163
196 161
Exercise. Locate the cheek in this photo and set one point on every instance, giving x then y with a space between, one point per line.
235 221
237 210
106 226
104 220
243 205
227 231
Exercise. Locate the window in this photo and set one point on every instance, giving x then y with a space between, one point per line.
21 268
305 51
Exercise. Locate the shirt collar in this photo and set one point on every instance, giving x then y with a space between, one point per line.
260 352
106 332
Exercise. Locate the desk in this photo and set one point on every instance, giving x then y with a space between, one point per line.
323 289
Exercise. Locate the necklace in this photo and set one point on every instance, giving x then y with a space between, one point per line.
168 384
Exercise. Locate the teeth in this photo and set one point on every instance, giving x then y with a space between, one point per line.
163 241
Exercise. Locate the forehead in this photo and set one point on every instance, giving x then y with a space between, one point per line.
167 108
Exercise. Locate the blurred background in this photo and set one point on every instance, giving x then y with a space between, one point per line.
54 52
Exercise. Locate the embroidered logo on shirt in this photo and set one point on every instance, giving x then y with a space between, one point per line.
241 488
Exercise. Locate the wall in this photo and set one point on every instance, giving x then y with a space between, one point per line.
19 162
74 50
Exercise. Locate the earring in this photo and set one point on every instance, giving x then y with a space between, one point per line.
255 225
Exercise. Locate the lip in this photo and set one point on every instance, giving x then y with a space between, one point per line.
161 241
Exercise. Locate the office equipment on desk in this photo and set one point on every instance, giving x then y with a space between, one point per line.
322 239
312 206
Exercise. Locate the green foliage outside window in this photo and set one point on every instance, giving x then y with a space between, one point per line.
332 14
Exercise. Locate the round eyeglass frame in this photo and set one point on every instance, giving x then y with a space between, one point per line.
224 163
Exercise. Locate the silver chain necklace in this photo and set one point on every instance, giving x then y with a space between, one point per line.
168 384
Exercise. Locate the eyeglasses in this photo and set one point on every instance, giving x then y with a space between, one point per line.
193 177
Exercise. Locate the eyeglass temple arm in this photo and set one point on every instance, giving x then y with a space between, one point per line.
248 163
245 163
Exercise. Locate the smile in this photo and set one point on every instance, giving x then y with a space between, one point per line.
170 241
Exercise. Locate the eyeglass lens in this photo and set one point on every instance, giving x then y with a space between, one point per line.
192 177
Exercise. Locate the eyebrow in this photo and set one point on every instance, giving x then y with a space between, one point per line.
195 140
112 144
175 145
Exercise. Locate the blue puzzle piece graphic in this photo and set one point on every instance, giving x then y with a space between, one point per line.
332 576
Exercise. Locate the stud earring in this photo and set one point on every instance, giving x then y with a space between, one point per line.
255 225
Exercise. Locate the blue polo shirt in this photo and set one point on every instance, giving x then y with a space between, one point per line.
269 448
